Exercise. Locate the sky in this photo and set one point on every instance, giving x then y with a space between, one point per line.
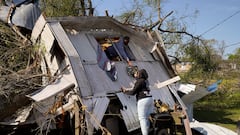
216 19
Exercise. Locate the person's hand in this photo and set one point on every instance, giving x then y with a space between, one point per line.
129 63
123 89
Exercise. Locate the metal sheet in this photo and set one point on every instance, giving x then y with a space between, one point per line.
48 41
164 95
92 41
140 51
101 83
97 108
129 112
195 95
29 12
83 47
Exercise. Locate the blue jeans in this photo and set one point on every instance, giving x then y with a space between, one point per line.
145 108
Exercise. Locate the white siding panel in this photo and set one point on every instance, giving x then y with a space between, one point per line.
51 62
53 89
96 108
47 38
38 27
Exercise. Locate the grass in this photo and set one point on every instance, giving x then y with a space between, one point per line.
220 108
223 106
224 117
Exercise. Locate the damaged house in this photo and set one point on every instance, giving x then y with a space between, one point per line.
82 91
72 49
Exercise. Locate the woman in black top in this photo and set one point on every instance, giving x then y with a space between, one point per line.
144 99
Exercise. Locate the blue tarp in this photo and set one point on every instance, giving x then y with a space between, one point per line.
213 87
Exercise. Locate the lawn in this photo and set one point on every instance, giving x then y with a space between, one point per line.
224 117
221 108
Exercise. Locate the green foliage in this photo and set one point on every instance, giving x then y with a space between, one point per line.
223 106
18 60
203 57
152 2
129 17
220 100
235 57
57 8
11 55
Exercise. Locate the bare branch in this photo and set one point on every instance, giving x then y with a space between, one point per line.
179 32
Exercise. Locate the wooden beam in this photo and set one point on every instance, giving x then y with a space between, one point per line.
77 121
167 82
65 107
159 38
184 108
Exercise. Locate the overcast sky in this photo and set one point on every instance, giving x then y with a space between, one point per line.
216 19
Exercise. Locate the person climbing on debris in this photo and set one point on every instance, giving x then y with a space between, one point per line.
122 48
145 104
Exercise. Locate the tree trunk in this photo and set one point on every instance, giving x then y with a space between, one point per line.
83 10
91 9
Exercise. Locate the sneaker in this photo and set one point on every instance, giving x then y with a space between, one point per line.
109 66
115 75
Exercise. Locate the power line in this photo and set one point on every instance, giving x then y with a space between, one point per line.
232 44
220 23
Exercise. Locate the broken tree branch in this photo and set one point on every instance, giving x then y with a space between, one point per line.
170 31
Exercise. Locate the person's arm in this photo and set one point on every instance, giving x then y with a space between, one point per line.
129 63
120 47
123 54
132 91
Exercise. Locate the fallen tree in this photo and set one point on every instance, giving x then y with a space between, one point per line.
19 70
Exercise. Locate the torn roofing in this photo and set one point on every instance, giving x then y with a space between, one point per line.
24 13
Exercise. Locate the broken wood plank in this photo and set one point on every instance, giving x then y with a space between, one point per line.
77 121
167 82
186 120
